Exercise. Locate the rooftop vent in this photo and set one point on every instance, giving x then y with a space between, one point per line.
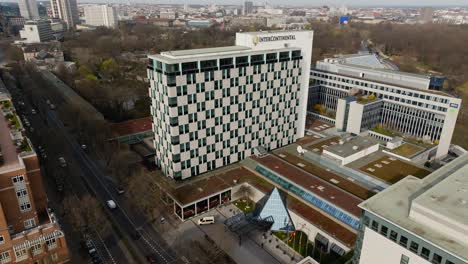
355 147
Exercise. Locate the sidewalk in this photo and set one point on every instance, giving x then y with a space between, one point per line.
282 254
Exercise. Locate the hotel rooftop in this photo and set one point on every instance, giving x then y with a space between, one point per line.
434 208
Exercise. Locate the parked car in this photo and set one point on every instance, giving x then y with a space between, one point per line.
33 111
52 107
207 220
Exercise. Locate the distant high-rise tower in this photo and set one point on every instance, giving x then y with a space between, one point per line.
248 7
101 15
426 15
67 10
28 9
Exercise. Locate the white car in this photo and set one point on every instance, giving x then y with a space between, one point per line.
111 204
207 220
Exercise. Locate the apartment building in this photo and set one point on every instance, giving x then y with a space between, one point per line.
101 15
212 107
417 220
28 9
66 10
29 231
362 92
36 31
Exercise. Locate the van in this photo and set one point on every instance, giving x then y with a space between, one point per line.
206 220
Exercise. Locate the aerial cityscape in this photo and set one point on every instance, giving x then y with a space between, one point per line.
301 132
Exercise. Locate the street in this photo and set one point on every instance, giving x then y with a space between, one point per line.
85 176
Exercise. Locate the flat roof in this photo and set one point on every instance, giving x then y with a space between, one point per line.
8 148
351 146
442 194
390 84
392 170
325 174
188 52
133 126
187 192
312 183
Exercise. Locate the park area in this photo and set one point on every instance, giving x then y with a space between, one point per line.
392 169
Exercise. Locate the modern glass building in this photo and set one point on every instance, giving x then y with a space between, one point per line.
275 207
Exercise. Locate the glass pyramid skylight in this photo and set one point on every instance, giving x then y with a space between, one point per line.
275 207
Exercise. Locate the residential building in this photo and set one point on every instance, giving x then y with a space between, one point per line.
28 9
417 220
101 15
50 53
66 10
36 31
248 7
361 92
29 231
168 14
211 107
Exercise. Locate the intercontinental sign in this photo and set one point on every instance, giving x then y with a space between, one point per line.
258 39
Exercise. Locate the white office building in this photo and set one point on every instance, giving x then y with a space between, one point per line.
418 221
101 15
66 10
28 9
36 31
364 92
211 107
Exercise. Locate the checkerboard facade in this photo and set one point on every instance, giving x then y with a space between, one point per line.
208 114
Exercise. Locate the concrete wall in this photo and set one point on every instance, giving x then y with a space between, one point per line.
356 111
340 114
378 249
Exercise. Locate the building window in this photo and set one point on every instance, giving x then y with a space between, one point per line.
2 240
375 225
5 257
26 206
436 259
404 259
384 230
51 243
414 247
18 178
36 249
404 241
393 235
425 253
29 223
21 254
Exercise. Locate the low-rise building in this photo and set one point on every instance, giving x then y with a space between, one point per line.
418 220
49 53
36 31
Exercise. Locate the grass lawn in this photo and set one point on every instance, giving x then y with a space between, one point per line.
407 150
394 171
385 131
299 242
245 205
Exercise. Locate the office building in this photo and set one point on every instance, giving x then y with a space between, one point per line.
248 7
66 10
101 15
212 107
29 231
36 31
28 9
418 220
361 92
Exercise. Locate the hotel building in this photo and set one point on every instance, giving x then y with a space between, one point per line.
362 92
417 220
212 107
29 231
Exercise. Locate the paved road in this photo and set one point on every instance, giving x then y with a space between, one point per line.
130 222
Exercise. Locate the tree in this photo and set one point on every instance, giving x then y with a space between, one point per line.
110 68
245 191
144 193
14 53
